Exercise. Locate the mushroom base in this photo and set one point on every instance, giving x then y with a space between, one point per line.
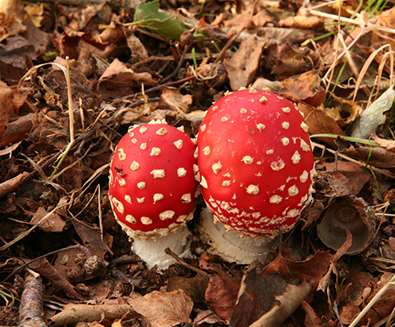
152 251
232 246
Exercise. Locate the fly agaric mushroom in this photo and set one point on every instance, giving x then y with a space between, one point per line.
256 166
152 190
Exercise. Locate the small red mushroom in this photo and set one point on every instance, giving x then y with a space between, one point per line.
256 165
152 189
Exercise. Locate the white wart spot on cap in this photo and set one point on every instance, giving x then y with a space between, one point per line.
168 214
260 126
293 190
285 141
226 183
304 176
155 151
277 165
248 160
161 131
128 198
134 165
143 146
146 220
285 124
134 140
296 158
286 109
178 144
304 126
143 129
243 110
118 205
121 154
252 189
141 185
158 173
140 200
213 108
270 151
292 213
130 219
186 198
275 199
121 181
206 150
304 146
181 218
203 182
157 197
203 127
224 119
181 172
263 99
216 167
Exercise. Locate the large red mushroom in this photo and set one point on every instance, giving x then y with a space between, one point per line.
152 190
256 166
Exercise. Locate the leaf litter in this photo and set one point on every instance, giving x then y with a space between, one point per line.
131 62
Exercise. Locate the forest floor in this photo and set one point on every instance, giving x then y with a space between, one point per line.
74 75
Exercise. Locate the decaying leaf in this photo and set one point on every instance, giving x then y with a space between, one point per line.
243 64
319 121
268 296
53 224
164 309
194 287
119 79
304 22
341 178
373 116
172 98
221 294
10 102
149 16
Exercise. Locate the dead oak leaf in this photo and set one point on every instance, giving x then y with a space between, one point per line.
243 64
164 309
173 99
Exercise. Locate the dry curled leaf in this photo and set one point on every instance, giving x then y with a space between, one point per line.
173 99
243 64
164 309
119 79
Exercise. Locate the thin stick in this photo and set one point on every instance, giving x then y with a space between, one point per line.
373 301
100 215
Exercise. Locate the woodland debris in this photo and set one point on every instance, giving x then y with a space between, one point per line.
12 184
31 306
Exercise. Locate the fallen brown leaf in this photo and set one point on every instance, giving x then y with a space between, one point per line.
319 121
10 102
311 319
118 79
221 294
164 309
269 296
195 287
173 99
53 224
243 64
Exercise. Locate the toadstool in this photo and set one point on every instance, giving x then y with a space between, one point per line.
152 190
256 165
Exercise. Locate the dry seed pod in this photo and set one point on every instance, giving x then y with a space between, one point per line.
347 213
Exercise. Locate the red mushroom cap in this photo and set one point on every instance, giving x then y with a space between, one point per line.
255 162
152 185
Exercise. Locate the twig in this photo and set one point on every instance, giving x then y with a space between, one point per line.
31 307
16 131
74 313
12 184
183 263
373 301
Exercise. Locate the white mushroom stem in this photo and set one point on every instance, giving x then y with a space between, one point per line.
152 251
231 245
